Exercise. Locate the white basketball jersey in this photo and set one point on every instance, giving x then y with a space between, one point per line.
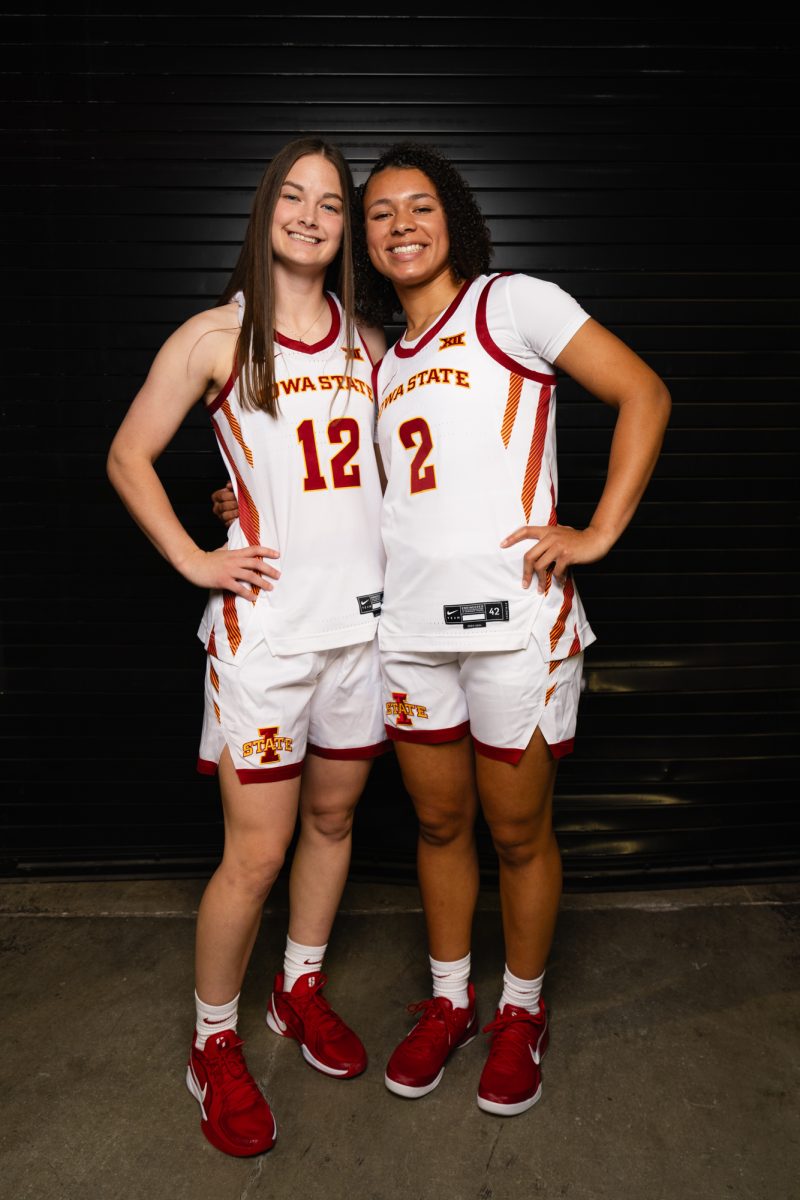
466 429
307 485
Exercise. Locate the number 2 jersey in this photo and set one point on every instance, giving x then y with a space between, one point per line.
307 485
466 430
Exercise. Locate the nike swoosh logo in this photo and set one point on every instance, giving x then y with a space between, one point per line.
312 962
208 1021
281 1024
199 1095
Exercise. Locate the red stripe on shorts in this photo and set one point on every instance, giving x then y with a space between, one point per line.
500 753
557 749
267 775
428 737
351 753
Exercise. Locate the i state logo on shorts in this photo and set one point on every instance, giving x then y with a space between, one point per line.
268 744
403 710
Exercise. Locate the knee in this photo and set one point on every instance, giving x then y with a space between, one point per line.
332 826
518 845
253 872
440 828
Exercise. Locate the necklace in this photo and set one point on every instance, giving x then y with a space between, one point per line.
300 336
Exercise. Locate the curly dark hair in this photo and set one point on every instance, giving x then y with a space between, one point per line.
470 239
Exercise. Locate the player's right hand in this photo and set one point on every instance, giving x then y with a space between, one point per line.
223 504
243 572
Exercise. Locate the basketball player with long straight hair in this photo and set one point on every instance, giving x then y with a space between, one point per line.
292 696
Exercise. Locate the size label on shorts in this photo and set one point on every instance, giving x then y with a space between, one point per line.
371 603
475 616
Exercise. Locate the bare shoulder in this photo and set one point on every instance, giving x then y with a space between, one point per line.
213 325
207 342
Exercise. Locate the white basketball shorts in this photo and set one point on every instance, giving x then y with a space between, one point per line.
500 697
271 710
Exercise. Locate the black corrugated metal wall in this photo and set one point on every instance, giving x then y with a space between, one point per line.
647 166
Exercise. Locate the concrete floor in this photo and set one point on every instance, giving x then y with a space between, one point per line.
672 1071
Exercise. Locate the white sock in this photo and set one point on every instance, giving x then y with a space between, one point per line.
211 1018
301 960
450 979
522 993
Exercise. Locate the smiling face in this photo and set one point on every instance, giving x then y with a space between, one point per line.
406 229
308 220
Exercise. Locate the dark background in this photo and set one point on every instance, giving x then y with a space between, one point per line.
647 166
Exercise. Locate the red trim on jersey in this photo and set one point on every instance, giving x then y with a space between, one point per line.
211 648
205 767
236 430
491 347
536 452
561 620
428 737
330 336
499 753
374 381
231 619
409 351
360 337
353 753
222 396
576 642
553 518
248 513
512 404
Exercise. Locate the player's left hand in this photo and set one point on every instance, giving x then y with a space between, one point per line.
224 505
557 548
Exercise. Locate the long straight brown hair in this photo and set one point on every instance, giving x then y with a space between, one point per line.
253 274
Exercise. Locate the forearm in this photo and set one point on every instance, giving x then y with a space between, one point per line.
635 446
141 491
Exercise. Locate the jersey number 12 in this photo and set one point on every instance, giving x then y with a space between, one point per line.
344 475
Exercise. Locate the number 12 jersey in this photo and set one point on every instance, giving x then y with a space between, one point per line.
307 485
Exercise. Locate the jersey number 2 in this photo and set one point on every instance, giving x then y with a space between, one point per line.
343 429
415 434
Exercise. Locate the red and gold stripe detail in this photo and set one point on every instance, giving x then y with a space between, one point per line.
561 620
512 404
236 430
248 513
536 452
211 648
553 518
231 619
576 643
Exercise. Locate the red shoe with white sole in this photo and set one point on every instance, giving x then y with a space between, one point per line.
418 1063
235 1117
512 1079
305 1015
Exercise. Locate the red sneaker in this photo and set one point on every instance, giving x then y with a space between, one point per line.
417 1065
305 1015
512 1080
236 1117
